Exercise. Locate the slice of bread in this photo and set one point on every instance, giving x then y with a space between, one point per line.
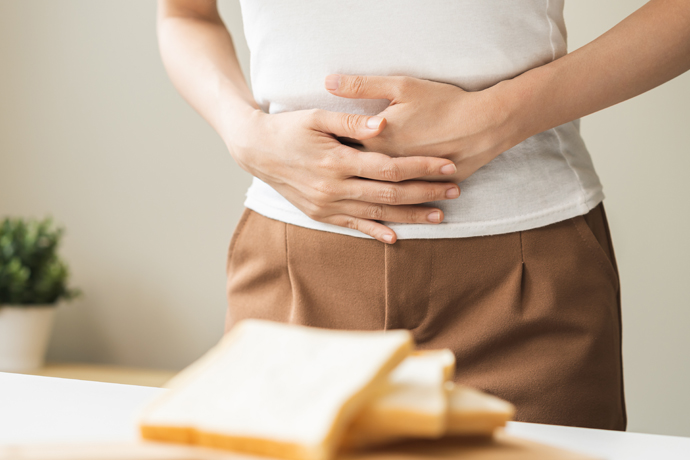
474 413
414 404
420 401
421 366
276 389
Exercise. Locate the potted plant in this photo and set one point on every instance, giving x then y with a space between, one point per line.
33 281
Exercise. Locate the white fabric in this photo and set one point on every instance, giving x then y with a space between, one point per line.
472 44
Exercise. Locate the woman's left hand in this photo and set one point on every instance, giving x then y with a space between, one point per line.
427 118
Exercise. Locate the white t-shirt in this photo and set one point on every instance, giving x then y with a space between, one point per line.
472 44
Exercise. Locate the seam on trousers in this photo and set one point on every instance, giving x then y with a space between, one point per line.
612 257
522 272
291 318
614 262
431 282
385 287
596 250
612 268
236 236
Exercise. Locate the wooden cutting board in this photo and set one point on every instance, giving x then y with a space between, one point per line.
501 447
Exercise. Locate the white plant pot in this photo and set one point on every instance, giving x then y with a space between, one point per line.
24 334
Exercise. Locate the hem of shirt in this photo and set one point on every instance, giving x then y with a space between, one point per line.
530 221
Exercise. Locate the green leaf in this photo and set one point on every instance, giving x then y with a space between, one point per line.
31 272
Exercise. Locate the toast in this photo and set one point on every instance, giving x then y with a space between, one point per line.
276 389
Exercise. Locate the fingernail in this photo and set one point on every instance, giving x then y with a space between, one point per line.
374 122
453 192
434 217
449 169
388 238
332 82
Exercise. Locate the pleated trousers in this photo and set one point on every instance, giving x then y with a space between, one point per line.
532 316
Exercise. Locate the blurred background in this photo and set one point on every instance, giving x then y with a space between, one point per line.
93 133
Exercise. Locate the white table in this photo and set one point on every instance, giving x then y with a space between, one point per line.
50 410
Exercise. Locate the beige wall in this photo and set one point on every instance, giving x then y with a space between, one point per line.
92 132
640 149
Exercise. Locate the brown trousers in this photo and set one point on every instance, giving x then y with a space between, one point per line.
532 317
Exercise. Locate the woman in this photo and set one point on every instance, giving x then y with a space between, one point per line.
366 120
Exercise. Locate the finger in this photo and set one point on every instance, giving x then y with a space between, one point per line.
366 87
347 124
400 214
368 227
377 166
411 192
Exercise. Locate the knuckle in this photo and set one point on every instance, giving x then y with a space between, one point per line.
389 195
350 122
316 212
317 198
351 222
374 211
432 193
322 194
357 193
429 169
414 215
329 163
406 82
324 189
312 215
319 214
357 84
403 85
391 172
314 116
318 202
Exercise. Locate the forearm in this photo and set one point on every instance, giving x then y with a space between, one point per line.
648 48
199 55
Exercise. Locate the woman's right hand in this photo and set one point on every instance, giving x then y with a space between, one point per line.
297 154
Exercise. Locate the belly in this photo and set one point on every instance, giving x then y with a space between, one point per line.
472 44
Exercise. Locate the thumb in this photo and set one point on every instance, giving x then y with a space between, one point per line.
348 124
365 87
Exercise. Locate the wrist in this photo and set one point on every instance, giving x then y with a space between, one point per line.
240 134
237 115
513 126
527 109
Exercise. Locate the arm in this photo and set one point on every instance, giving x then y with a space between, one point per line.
645 50
199 55
297 153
